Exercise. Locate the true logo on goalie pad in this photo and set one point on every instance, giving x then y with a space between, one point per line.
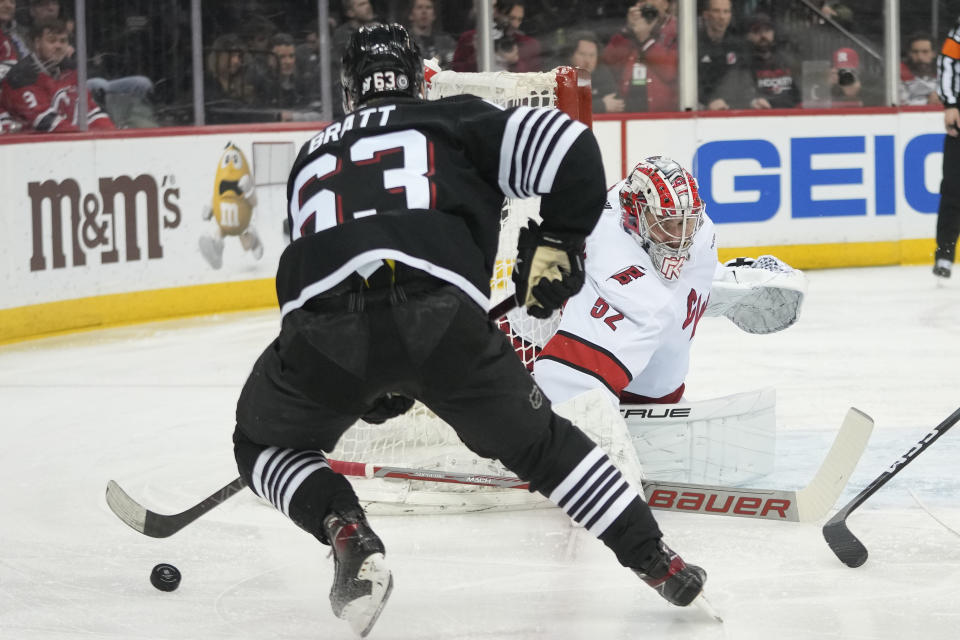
707 502
678 412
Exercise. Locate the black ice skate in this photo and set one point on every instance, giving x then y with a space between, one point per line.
677 582
361 581
942 268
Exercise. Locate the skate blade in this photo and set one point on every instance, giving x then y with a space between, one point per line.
363 612
704 605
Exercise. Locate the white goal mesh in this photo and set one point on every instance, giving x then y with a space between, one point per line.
419 439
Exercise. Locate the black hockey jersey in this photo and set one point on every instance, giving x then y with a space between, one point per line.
423 183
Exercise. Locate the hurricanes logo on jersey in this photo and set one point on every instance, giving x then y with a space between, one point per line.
628 275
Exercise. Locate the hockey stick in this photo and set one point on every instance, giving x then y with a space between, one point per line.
501 308
809 503
158 525
842 542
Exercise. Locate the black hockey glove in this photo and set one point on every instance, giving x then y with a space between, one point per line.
549 269
386 407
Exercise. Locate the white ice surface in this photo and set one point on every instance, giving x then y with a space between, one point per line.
151 406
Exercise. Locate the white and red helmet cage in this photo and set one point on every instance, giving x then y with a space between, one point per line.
662 209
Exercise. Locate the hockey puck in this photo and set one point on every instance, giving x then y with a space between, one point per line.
165 577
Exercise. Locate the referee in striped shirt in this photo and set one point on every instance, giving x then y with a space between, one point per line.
948 217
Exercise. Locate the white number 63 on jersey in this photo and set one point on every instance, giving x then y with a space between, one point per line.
322 206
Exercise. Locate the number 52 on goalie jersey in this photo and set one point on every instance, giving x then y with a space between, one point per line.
424 182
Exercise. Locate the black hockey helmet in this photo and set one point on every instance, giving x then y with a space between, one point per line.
380 60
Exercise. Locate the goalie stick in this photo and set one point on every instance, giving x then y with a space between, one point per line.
809 503
846 546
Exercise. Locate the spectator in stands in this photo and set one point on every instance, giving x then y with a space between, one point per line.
255 35
284 88
227 86
10 52
9 55
308 51
724 82
10 32
773 70
643 57
434 43
506 52
846 87
126 99
41 91
42 11
585 54
507 17
356 13
918 73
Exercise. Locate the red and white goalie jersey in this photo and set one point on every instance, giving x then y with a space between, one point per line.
47 103
628 330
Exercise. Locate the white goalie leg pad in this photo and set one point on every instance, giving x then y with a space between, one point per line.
729 440
759 296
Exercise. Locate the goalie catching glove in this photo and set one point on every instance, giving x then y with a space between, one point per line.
549 268
762 295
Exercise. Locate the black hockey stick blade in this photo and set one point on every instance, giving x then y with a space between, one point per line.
846 546
158 525
842 542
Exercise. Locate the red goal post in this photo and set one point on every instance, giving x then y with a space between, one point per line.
419 439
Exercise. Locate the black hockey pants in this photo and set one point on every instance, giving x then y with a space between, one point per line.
426 340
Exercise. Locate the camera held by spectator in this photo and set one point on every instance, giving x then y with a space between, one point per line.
846 77
649 13
506 51
846 89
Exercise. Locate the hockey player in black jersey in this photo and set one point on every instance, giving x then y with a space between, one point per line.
394 214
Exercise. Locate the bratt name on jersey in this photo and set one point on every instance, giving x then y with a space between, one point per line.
332 132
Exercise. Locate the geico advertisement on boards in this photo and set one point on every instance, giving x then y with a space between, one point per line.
787 180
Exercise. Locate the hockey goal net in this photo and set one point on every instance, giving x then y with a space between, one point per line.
419 439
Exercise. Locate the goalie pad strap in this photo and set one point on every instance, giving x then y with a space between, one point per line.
671 398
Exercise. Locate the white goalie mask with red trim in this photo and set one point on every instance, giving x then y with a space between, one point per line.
662 209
